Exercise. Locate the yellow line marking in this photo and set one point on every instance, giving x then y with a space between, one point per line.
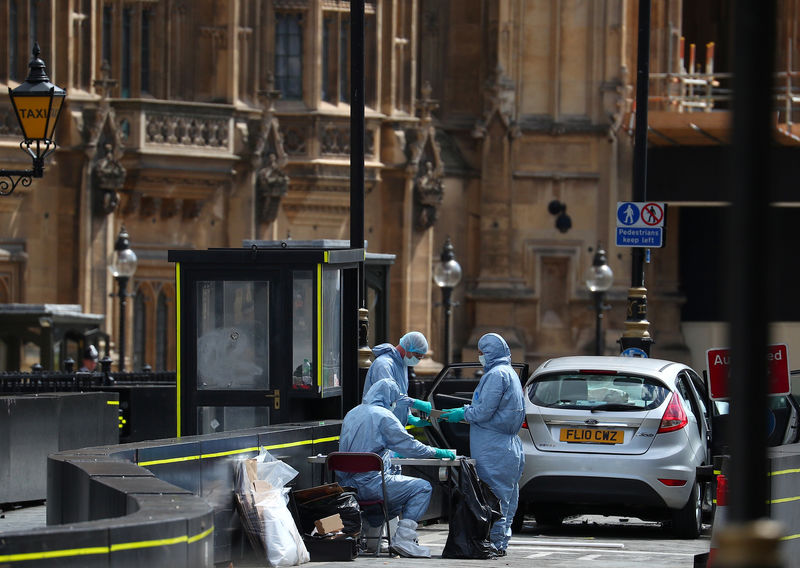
54 554
149 543
112 402
238 451
178 350
784 471
200 536
105 549
168 460
783 500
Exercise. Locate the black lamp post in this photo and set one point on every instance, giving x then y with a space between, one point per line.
599 279
122 266
37 103
447 275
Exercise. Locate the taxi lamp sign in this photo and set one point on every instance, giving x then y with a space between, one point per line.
718 361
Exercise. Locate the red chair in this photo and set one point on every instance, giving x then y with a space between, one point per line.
361 462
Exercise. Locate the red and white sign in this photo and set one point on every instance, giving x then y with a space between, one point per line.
718 362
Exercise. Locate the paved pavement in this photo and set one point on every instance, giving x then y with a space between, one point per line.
596 541
24 516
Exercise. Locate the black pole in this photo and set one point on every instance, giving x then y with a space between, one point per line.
357 131
447 303
123 296
637 333
748 265
598 328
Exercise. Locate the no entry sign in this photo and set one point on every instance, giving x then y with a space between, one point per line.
718 361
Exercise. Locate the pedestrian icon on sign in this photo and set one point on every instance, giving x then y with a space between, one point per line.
628 214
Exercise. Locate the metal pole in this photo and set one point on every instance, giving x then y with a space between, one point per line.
123 296
357 131
598 330
447 303
637 334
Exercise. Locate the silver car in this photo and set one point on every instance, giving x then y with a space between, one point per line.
615 436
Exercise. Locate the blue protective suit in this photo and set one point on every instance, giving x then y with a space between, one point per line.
388 364
495 417
371 427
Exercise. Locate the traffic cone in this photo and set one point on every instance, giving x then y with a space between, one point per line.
720 517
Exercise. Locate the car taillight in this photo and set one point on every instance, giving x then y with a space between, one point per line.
673 482
674 416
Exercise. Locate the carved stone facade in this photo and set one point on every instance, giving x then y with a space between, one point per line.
532 106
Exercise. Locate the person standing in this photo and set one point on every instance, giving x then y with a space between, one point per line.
392 363
495 416
372 427
90 356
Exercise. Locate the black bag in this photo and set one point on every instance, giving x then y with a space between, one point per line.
473 510
344 503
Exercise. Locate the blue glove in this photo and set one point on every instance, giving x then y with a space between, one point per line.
443 454
396 455
421 405
418 422
453 414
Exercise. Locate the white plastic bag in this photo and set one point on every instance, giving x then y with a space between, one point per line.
262 500
282 540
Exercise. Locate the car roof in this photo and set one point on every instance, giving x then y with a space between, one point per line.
630 364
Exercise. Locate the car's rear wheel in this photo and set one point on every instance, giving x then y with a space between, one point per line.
687 522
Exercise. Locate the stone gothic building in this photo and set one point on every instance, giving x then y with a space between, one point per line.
505 125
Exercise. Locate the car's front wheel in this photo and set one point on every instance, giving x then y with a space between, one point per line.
687 522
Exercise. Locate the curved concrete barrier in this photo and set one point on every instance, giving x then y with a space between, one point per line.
156 503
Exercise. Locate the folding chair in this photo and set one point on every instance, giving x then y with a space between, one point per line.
361 462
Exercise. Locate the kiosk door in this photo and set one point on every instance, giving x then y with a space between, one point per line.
235 328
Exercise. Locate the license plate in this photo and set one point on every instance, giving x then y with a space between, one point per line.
592 435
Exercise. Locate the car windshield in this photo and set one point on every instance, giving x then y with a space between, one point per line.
597 391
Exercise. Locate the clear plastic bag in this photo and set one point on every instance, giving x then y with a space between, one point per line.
262 502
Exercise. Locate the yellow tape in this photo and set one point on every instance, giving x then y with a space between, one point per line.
104 549
112 402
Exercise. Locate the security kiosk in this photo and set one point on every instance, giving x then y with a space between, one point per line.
267 334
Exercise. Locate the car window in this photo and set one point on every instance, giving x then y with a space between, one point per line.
588 390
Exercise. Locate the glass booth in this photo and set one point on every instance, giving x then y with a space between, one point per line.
267 334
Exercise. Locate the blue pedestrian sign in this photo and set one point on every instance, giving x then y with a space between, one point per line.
634 352
640 224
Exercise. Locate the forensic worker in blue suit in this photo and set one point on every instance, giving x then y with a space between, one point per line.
372 427
495 417
392 363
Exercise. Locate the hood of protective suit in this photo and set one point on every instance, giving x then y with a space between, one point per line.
495 350
383 393
381 349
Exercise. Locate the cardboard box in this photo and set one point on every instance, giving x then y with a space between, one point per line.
330 524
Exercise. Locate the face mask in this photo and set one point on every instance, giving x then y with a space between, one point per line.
482 359
413 361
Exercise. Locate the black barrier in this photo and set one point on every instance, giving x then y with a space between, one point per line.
146 399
